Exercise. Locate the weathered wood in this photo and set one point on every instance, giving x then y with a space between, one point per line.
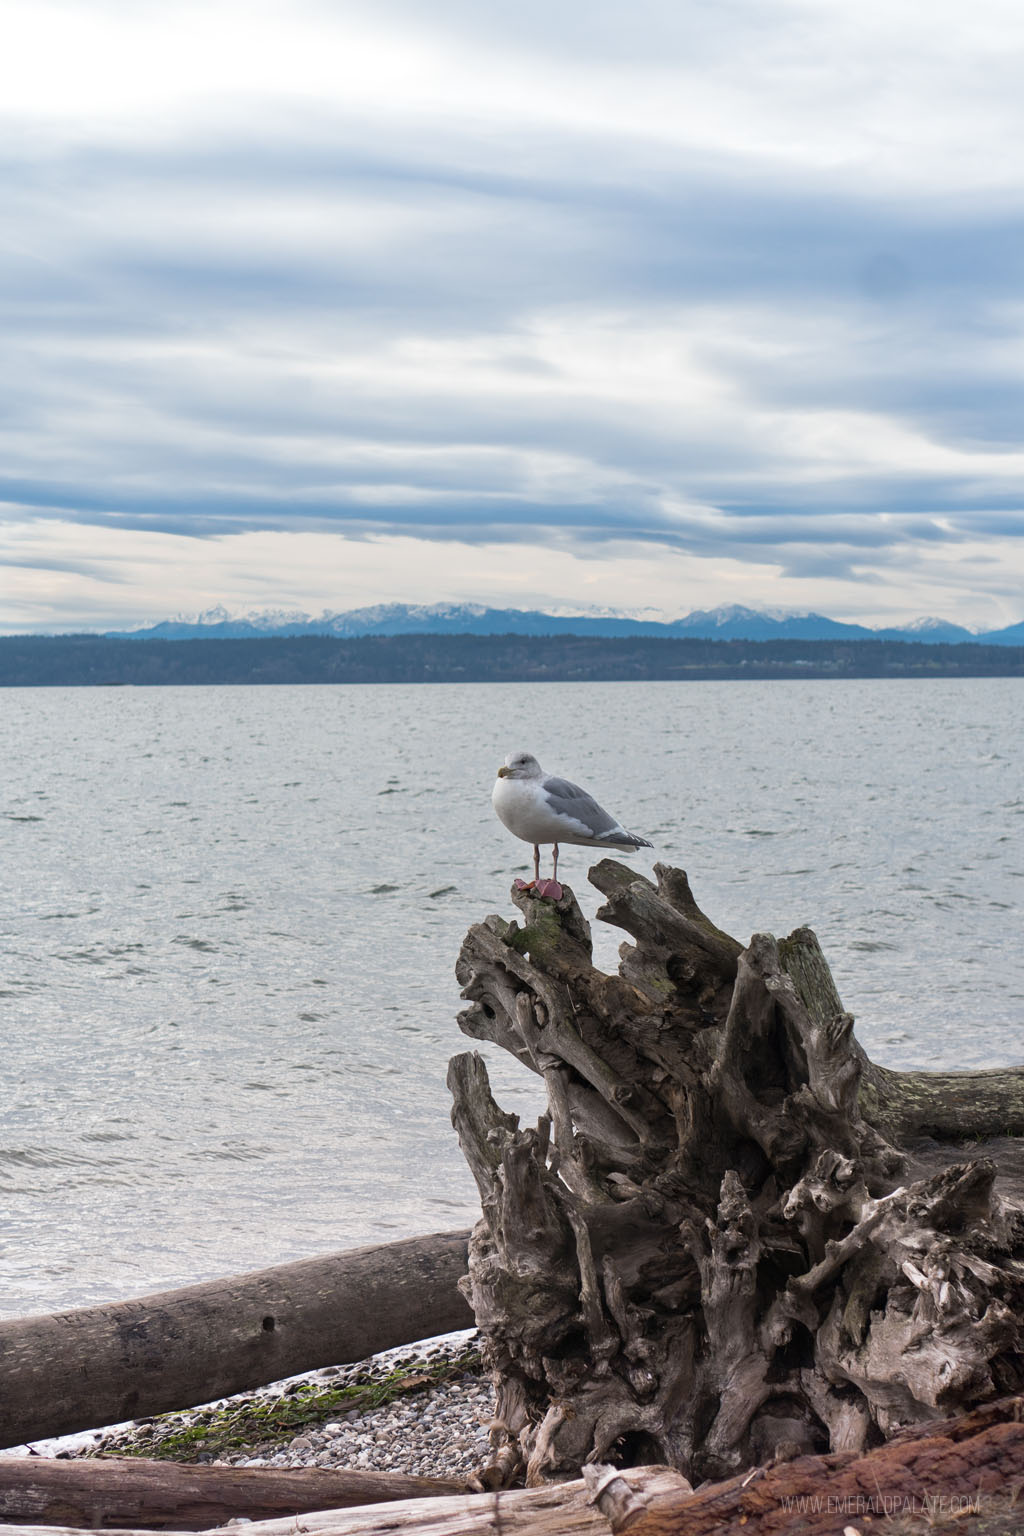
101 1365
949 1471
125 1491
958 1468
563 1510
949 1106
714 1245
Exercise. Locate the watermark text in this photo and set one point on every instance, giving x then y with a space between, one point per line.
874 1504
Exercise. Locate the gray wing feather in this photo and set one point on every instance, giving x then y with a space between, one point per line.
569 800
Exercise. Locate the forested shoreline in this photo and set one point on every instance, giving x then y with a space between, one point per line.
95 660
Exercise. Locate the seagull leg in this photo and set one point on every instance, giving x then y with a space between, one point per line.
550 890
535 883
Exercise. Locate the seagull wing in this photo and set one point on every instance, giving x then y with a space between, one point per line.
567 799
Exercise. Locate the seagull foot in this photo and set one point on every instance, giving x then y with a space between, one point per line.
523 885
548 890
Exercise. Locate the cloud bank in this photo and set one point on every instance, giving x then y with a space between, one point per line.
706 301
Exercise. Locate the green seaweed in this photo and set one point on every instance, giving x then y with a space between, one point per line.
542 935
260 1424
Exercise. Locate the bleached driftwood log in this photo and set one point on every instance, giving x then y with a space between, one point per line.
99 1365
961 1467
114 1492
707 1252
565 1509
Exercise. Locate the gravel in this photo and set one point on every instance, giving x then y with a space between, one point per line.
432 1428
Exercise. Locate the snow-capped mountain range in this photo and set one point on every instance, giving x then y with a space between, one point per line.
727 623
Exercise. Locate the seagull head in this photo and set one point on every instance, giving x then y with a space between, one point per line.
520 765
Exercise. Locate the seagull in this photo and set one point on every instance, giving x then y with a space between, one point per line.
542 809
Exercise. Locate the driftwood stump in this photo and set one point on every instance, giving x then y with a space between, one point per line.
716 1247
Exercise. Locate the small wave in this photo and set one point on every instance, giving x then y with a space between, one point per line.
384 890
444 890
30 1157
229 1154
44 1157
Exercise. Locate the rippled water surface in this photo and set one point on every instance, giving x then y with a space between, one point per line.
231 917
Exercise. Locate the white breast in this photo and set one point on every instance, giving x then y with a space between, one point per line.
521 806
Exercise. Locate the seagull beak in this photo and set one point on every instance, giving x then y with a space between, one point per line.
502 772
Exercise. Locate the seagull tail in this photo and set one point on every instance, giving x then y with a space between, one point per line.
622 839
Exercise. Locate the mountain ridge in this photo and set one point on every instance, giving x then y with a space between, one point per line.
728 622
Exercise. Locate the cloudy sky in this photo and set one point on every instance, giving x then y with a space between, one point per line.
650 306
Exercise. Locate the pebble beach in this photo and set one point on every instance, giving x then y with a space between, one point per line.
424 1410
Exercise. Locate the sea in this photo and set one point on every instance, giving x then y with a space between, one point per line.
231 917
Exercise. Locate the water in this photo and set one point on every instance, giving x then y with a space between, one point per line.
232 914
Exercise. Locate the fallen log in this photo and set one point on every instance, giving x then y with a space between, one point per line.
959 1468
713 1246
954 1470
948 1106
124 1491
101 1365
565 1509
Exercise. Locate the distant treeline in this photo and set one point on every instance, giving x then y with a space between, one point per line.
71 661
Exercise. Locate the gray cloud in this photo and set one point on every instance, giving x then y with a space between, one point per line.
556 331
